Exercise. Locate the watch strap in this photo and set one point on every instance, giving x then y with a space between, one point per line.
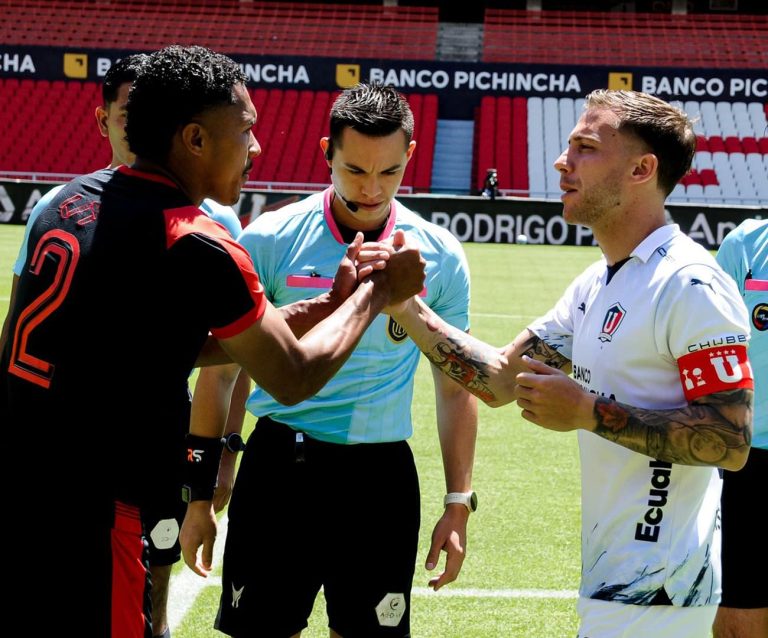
467 499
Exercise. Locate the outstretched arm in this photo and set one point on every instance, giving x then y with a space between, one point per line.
486 371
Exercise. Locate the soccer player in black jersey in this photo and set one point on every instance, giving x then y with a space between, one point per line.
125 274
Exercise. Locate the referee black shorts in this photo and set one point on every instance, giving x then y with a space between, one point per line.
744 555
306 515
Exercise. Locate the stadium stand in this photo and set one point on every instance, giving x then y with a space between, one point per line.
519 136
364 31
522 138
639 39
66 142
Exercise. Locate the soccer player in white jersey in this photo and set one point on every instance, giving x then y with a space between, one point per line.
325 483
743 611
655 336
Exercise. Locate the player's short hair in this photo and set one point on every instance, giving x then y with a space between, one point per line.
123 71
665 129
175 85
371 109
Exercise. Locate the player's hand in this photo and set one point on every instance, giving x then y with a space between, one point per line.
449 536
404 275
198 528
551 399
360 260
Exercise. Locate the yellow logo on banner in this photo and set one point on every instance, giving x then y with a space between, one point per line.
347 75
620 81
76 65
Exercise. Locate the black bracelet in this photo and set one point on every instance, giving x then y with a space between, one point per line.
201 468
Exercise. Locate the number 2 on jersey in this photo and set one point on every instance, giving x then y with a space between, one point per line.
64 249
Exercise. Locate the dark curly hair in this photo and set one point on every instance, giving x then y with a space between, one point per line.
176 84
371 109
124 70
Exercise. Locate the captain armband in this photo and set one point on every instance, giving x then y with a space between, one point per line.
201 468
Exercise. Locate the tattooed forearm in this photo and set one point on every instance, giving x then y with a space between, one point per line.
464 364
715 430
538 349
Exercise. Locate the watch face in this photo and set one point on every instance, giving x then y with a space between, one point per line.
473 501
234 442
186 493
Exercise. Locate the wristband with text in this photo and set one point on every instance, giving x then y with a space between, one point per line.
201 468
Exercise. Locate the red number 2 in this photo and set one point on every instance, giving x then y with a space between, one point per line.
65 250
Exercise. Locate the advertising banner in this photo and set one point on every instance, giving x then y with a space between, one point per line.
469 219
459 84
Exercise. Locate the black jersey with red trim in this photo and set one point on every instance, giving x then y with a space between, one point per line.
123 281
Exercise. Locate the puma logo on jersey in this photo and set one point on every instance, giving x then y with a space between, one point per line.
699 282
236 594
583 307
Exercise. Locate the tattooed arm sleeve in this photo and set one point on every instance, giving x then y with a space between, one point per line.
715 429
486 371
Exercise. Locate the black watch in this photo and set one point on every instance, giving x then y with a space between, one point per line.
189 494
233 442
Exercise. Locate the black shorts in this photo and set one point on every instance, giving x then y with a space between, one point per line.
162 527
341 517
162 509
91 545
745 559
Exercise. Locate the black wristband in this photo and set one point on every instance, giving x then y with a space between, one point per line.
201 468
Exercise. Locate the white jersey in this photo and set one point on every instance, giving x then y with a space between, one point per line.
669 327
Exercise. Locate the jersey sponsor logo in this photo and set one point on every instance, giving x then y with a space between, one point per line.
580 373
613 318
760 316
395 331
391 609
85 212
714 370
728 340
649 528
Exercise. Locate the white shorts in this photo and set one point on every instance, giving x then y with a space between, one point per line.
604 619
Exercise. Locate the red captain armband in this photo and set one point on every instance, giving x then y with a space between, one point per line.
714 370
